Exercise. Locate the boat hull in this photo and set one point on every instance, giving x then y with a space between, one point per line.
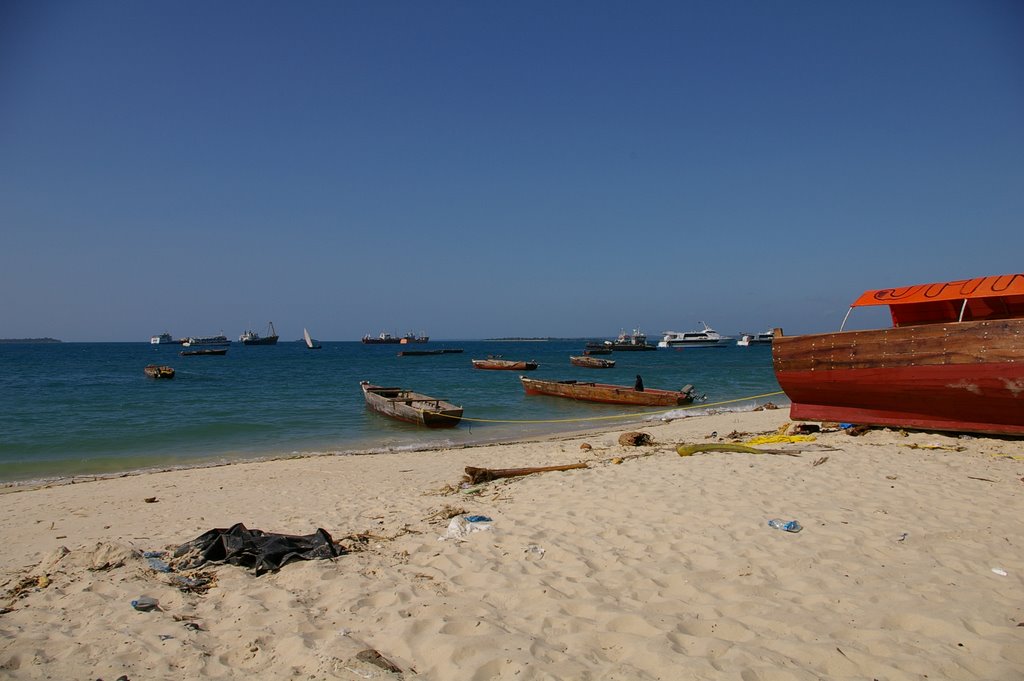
204 352
607 394
695 344
959 376
411 407
592 362
266 340
159 371
504 365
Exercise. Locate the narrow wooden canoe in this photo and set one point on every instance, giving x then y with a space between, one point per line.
954 360
406 405
608 394
159 371
204 352
592 362
504 364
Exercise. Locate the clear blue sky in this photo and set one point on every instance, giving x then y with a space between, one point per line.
478 169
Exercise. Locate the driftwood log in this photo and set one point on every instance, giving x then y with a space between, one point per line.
475 475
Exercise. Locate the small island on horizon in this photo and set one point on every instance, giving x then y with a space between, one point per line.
29 340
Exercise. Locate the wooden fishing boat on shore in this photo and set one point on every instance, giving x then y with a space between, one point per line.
159 371
608 394
591 362
500 364
204 352
413 407
952 361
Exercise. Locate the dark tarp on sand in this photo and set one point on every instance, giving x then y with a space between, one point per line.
256 549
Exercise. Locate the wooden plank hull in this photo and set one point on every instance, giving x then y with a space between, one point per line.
958 376
591 362
411 407
607 394
504 364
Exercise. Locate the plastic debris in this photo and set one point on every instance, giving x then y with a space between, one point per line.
785 525
536 550
146 603
156 561
999 571
461 527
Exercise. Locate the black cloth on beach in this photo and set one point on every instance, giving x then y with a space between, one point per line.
256 549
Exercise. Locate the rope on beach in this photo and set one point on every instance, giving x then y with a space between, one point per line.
632 415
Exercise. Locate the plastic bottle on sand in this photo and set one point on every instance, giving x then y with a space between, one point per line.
786 525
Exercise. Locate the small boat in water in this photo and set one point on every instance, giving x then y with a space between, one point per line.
748 339
705 338
159 371
253 338
310 343
497 363
413 407
204 352
417 353
608 394
592 362
952 361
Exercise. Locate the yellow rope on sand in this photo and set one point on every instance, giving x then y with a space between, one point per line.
769 439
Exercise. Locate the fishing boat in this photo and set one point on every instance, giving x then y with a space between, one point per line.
608 394
165 338
748 339
417 353
413 407
597 349
705 338
310 343
218 340
591 362
628 342
204 352
497 363
953 360
158 371
253 338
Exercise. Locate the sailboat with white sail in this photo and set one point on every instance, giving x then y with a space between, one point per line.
310 343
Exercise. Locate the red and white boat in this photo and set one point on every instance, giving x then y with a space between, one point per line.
952 361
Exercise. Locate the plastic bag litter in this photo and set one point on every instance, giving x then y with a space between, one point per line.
461 527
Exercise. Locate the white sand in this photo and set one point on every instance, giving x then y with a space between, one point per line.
659 567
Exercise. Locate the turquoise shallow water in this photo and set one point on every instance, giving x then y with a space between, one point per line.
87 408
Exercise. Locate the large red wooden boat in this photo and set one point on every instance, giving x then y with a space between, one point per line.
953 361
609 394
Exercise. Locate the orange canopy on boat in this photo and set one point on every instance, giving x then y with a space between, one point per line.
996 297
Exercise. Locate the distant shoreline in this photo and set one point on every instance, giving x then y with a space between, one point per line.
12 341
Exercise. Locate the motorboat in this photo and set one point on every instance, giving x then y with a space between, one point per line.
705 338
748 339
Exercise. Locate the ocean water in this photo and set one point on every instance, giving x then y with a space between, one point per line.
87 408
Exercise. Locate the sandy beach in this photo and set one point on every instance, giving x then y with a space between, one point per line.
643 565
